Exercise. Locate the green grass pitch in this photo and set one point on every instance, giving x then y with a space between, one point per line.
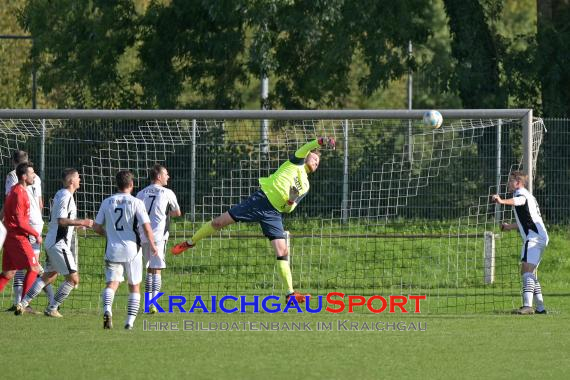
483 345
464 346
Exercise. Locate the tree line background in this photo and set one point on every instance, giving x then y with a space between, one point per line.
199 54
318 54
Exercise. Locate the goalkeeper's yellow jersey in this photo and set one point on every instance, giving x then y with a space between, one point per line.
291 173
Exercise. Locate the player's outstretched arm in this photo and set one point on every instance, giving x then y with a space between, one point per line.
64 222
508 226
303 151
497 199
514 201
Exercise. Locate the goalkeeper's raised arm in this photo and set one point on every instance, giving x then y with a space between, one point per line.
278 194
294 174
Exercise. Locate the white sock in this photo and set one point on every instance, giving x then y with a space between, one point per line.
133 308
108 296
48 290
528 285
156 284
18 286
33 292
538 296
148 283
64 289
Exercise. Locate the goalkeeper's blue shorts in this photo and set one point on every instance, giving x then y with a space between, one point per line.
257 208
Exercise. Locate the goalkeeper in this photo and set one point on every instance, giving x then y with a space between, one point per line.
280 194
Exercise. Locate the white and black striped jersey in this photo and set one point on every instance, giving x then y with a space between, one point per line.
159 201
34 193
528 215
121 214
63 207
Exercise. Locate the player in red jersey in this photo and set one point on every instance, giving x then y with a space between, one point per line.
18 252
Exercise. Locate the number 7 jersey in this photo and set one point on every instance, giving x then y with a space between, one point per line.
121 214
158 201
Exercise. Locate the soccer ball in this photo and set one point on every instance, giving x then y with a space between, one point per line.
433 119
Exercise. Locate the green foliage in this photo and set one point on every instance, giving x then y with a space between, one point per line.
199 54
523 84
319 42
516 29
553 58
318 54
313 51
432 80
197 44
385 28
77 48
477 53
15 92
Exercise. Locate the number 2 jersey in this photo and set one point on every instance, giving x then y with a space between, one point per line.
121 214
158 201
528 216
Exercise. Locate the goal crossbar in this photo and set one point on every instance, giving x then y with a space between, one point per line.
259 114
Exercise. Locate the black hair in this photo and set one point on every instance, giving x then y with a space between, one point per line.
22 169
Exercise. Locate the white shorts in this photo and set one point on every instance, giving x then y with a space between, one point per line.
60 259
133 270
35 245
532 251
154 262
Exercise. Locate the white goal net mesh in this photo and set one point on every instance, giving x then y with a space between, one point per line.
396 209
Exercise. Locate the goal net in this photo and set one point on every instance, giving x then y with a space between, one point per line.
396 209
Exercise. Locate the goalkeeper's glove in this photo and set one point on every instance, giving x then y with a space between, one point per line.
327 141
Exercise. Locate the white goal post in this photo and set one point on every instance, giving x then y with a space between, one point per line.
376 221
